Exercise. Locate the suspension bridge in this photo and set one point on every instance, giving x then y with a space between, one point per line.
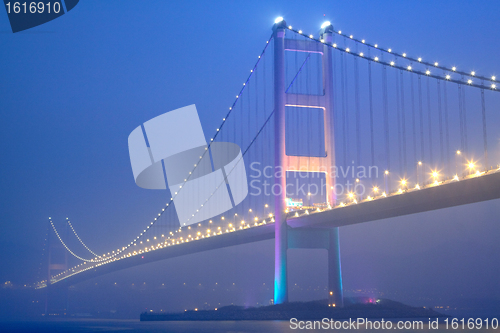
334 131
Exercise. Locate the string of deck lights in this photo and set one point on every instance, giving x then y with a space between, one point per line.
471 166
408 68
434 174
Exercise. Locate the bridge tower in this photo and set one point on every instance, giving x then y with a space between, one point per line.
57 261
285 237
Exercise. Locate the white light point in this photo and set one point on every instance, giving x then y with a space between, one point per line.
325 24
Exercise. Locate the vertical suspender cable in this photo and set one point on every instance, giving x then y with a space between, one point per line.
386 116
485 137
299 142
430 122
335 117
398 117
258 111
321 116
249 202
464 114
358 116
264 103
447 132
372 144
403 123
344 120
346 88
414 127
421 116
460 114
308 114
440 114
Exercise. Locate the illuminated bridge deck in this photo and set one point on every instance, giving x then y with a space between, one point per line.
450 193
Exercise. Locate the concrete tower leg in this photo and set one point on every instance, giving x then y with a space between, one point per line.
335 292
281 238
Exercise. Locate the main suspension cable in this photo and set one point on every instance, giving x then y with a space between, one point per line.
84 245
64 244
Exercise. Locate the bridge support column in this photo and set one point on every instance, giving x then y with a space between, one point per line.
335 292
57 261
328 239
282 161
281 238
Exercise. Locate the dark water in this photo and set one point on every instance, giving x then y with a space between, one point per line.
96 325
105 325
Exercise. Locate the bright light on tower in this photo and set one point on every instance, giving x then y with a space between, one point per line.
278 19
471 165
325 24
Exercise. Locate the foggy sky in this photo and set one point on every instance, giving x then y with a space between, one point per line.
73 89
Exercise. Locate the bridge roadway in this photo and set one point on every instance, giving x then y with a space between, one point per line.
449 194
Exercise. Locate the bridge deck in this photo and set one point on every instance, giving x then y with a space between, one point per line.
454 193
